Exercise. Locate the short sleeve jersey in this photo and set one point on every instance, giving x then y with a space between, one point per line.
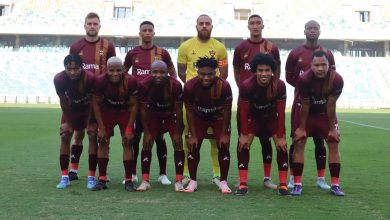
94 54
256 95
140 60
76 92
208 102
113 98
318 90
299 61
246 50
160 98
192 49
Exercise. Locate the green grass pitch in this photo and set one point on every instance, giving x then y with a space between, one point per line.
29 172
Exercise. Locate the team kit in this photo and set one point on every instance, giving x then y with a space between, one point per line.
142 94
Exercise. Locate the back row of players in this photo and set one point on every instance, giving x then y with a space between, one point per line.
97 93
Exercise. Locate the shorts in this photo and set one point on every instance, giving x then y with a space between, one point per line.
113 118
202 126
78 120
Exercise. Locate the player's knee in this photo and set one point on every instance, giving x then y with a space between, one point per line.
65 135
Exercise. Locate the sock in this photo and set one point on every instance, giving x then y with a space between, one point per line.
242 162
64 164
282 159
129 169
76 151
266 149
193 161
334 169
102 163
146 159
92 162
179 164
298 169
320 155
224 161
243 177
162 156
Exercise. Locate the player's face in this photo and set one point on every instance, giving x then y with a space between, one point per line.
73 71
204 27
255 26
115 72
312 31
320 66
263 74
146 33
160 75
206 76
92 27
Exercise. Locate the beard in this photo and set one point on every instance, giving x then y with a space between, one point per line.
92 34
204 35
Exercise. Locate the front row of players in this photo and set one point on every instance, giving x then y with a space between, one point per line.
208 101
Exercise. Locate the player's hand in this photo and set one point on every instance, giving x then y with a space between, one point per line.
280 143
177 141
102 137
243 142
148 142
128 139
333 136
299 135
192 142
224 140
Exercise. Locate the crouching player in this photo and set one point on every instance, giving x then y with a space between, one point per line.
319 89
115 103
208 101
262 103
74 87
161 111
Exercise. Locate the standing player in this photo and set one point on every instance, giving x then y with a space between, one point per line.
140 59
208 100
243 55
262 103
73 86
299 61
189 52
161 106
319 89
115 103
94 51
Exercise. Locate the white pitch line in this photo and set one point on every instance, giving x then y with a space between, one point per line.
365 125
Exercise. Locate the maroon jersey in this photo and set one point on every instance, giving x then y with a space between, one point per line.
94 54
256 95
76 92
141 59
160 98
318 90
208 102
113 98
299 61
246 50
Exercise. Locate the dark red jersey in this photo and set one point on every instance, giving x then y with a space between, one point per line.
94 54
116 97
208 102
246 50
76 92
318 90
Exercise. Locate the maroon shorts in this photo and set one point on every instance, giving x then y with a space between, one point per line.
160 125
263 127
317 125
202 125
78 120
113 118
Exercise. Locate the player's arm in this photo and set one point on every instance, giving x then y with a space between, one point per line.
280 138
291 76
331 112
300 133
243 115
236 71
63 100
223 68
181 70
278 63
227 114
133 108
96 101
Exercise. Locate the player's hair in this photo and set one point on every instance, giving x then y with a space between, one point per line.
146 22
266 59
313 22
319 53
91 15
79 63
207 62
255 16
202 15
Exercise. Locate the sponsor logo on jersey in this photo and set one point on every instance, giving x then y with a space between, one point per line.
206 110
318 101
247 66
101 52
212 53
141 72
90 66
